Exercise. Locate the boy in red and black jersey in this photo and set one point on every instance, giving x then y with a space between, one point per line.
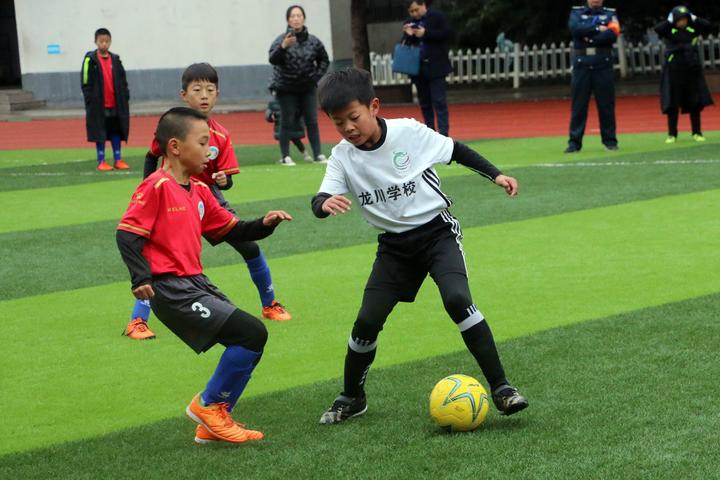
159 240
200 92
106 94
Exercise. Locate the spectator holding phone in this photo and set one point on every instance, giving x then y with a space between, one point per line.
299 60
430 30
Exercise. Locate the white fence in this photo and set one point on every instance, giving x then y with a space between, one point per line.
540 62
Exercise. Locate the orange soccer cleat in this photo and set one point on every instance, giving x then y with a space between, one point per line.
104 166
121 165
276 312
215 421
137 329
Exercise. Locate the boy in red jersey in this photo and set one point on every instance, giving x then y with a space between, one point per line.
159 240
106 94
200 92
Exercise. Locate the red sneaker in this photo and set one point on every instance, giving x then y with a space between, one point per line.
276 312
137 329
104 166
120 165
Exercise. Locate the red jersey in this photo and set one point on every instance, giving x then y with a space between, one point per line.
222 155
108 83
172 220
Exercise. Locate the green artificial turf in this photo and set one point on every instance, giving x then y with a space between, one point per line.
631 396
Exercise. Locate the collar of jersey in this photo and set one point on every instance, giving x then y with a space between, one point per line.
383 128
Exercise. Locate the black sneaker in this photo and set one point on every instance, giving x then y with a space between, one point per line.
343 408
572 149
508 400
612 147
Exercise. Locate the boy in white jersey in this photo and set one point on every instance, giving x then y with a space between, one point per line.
388 166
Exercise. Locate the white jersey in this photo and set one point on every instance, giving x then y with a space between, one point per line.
395 185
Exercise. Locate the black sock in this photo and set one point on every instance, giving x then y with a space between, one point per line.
695 122
356 369
479 340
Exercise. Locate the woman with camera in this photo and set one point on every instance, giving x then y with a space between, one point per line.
299 60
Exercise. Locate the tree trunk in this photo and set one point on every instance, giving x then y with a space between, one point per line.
360 43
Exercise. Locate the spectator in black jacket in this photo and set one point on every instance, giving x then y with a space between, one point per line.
683 86
430 30
299 61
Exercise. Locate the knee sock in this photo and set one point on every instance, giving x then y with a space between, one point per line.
479 340
100 149
231 375
360 356
116 142
141 310
260 274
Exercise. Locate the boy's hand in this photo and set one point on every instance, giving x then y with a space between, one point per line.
144 292
220 178
274 217
336 204
508 183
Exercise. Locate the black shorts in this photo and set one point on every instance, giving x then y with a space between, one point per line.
403 260
192 307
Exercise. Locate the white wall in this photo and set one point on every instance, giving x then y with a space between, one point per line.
159 34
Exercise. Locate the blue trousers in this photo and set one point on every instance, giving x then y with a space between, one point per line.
588 81
432 95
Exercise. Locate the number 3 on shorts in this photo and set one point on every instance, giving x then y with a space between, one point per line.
198 307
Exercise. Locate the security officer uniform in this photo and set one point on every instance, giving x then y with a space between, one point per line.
592 72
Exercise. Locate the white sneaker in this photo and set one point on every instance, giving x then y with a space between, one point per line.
321 159
287 161
307 157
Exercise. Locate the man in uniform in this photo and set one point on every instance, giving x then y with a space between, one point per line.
594 30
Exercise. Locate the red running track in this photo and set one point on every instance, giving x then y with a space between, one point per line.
467 122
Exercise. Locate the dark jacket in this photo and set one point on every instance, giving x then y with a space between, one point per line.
434 44
683 83
272 114
92 88
299 67
584 23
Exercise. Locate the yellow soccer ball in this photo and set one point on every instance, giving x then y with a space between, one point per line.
459 402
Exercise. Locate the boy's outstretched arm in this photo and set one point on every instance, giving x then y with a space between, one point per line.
468 157
324 204
131 248
257 229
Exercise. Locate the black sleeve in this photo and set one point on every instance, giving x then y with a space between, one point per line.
131 247
663 28
229 184
468 157
277 53
317 202
247 231
704 26
151 162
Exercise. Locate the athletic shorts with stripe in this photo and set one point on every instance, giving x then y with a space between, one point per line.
402 262
196 310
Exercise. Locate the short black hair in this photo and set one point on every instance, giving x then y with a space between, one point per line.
175 123
410 2
290 9
102 31
338 89
198 72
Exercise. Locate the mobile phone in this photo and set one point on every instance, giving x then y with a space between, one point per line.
290 31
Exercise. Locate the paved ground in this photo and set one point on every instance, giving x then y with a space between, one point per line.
467 121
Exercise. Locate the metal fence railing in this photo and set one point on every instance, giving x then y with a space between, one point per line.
545 61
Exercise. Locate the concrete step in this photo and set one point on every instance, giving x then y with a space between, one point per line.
12 96
27 105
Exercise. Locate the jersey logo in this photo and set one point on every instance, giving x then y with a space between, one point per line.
401 161
201 209
214 152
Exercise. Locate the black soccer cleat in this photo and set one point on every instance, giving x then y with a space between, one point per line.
508 400
344 408
572 149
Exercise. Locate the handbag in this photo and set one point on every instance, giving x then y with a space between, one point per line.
406 59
